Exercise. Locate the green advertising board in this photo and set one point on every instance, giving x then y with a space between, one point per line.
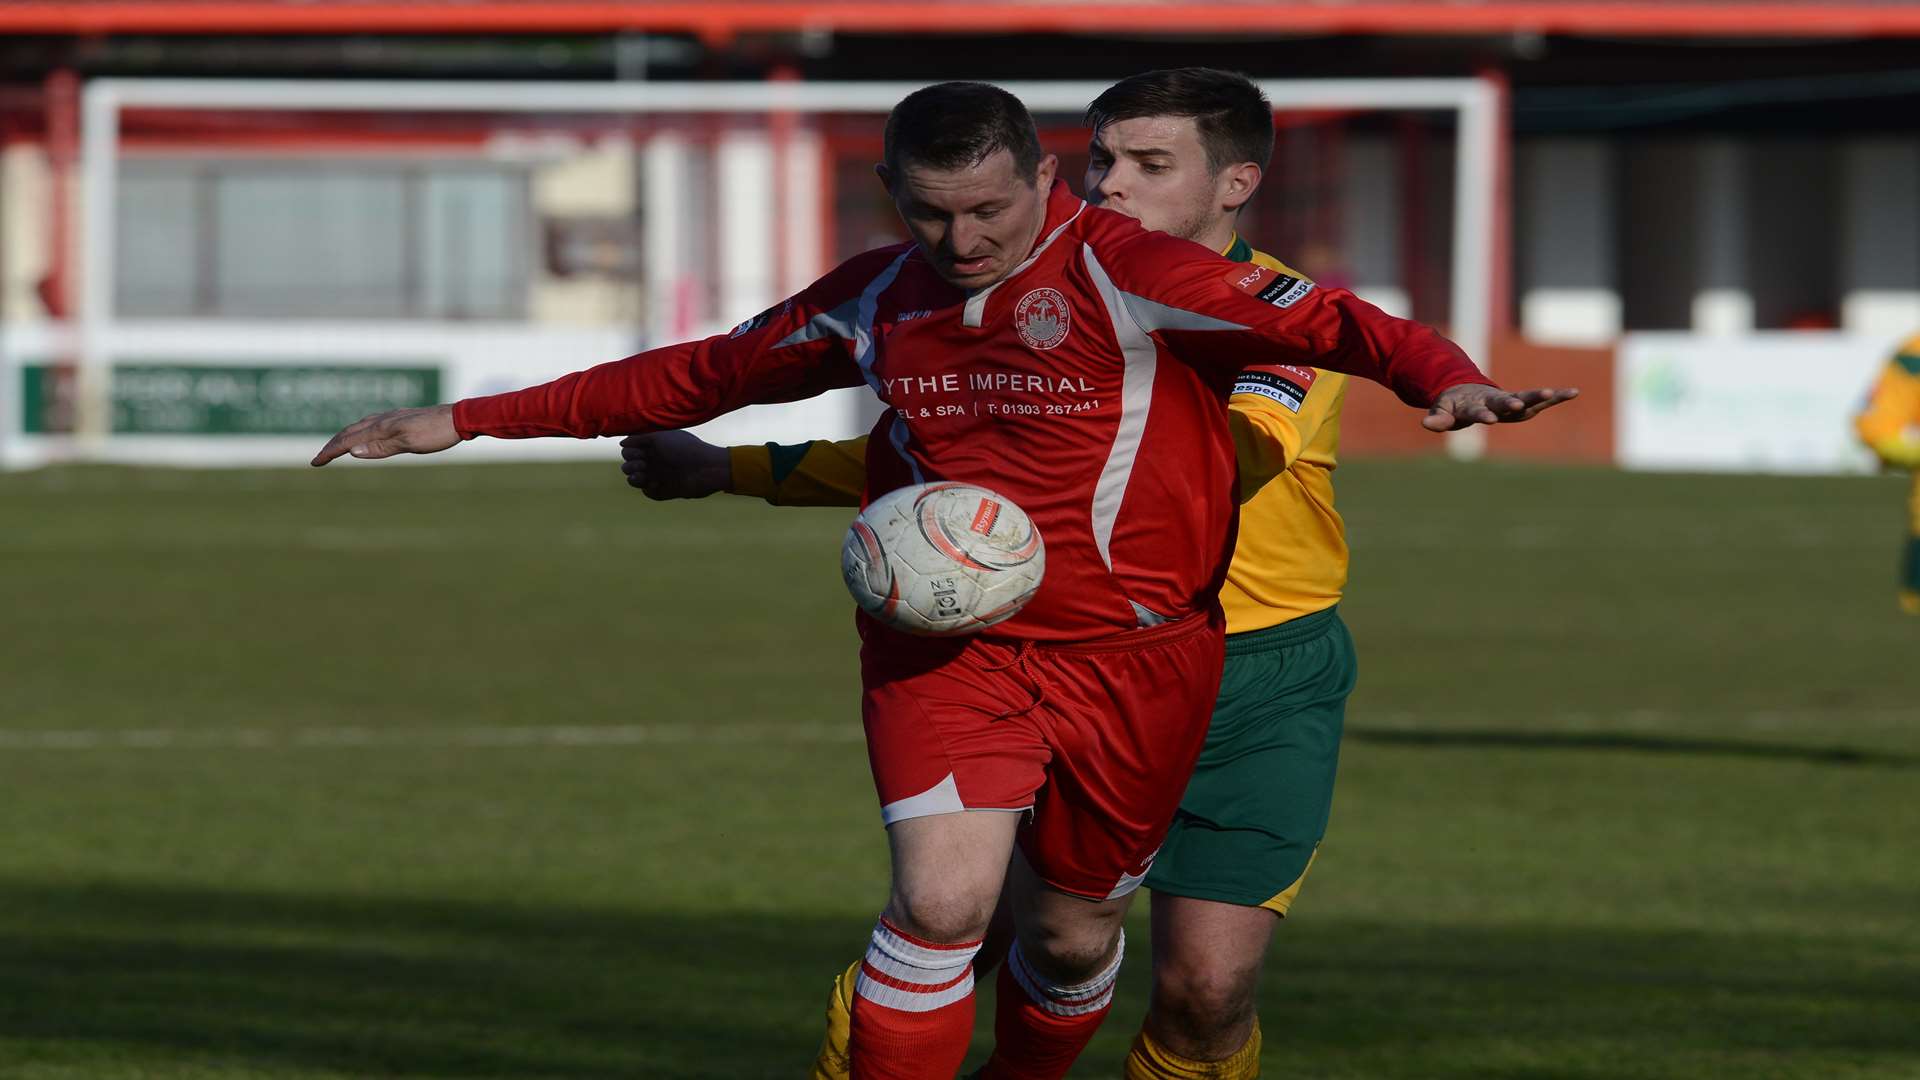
155 398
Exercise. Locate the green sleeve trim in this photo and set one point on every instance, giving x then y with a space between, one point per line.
1908 362
786 459
1910 565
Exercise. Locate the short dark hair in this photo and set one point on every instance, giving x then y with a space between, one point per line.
954 125
1234 117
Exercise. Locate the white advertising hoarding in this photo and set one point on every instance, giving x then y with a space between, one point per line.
232 393
1769 403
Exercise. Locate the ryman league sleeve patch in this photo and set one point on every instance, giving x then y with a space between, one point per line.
1261 283
1283 383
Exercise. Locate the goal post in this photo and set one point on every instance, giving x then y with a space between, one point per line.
798 219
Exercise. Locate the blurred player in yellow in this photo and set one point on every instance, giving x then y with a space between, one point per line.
1890 426
1182 151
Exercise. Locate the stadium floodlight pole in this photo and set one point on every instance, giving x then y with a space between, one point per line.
1474 100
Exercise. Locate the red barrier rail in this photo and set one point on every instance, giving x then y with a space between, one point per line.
722 19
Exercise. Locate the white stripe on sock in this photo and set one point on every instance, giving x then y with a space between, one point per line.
908 1000
909 962
888 941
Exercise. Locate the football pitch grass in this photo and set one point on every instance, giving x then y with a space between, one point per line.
506 772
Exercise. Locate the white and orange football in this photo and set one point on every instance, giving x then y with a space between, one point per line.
942 558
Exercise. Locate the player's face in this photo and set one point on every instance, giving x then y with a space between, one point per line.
1154 169
974 224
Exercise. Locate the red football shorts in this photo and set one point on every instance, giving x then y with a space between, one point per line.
1096 739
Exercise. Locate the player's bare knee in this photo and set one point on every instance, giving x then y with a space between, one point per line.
943 915
1204 1000
1071 952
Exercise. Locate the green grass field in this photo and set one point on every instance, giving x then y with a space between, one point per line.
506 772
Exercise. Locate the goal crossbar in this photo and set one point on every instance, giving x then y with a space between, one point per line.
1476 165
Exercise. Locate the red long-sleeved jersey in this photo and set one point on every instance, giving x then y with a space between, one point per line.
1089 386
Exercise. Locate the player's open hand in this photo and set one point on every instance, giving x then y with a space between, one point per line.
397 431
675 465
1478 403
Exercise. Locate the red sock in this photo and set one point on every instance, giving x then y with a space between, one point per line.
1040 1027
912 1008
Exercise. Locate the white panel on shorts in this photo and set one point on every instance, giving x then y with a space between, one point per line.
941 798
1130 882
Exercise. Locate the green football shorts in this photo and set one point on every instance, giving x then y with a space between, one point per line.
1257 805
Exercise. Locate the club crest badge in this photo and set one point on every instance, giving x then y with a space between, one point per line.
1042 318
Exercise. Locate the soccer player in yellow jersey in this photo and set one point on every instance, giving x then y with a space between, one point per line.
1182 151
1890 426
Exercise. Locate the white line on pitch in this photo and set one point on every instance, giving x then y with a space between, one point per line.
347 737
1639 720
1680 721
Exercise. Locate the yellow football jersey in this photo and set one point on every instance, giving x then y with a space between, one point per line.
1291 557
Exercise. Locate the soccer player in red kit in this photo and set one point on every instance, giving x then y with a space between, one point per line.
1069 359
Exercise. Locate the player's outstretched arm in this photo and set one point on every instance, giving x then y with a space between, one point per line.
397 431
675 465
1477 403
781 354
1222 313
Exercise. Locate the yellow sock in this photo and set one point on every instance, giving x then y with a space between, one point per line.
1148 1060
831 1062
